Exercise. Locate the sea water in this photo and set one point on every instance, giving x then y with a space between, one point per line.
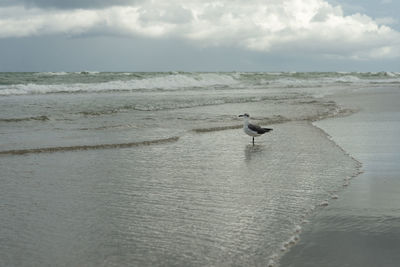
150 169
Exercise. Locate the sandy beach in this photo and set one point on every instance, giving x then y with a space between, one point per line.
360 228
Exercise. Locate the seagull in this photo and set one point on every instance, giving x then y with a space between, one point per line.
251 129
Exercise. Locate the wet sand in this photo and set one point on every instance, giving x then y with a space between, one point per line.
362 227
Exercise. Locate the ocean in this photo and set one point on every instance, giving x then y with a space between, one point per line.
153 169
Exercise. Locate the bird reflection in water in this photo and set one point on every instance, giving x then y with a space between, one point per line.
252 151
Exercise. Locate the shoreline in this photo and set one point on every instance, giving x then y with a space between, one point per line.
358 229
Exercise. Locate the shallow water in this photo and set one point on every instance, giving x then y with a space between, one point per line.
361 228
105 170
207 199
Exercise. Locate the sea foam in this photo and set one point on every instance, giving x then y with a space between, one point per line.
320 84
163 82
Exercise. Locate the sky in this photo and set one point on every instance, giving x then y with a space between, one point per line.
199 35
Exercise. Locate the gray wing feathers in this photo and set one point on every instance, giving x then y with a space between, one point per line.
258 129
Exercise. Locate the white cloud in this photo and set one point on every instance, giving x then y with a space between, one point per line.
387 20
21 22
287 26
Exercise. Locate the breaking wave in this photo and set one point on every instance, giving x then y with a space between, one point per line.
98 82
154 82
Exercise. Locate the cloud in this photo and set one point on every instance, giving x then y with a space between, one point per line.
19 22
272 26
68 4
387 20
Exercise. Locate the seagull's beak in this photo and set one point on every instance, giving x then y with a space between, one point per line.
241 116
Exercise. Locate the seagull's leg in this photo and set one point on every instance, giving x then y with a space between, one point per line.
253 140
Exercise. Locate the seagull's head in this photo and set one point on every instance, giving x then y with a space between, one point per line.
245 115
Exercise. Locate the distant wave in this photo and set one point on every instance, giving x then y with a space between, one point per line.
98 82
155 82
86 72
187 103
37 118
51 73
87 147
215 129
118 126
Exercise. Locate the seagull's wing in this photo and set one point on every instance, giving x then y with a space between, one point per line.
258 129
266 130
254 127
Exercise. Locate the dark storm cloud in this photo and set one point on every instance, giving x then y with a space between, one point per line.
292 31
69 4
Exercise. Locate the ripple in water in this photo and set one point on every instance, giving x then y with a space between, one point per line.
206 199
